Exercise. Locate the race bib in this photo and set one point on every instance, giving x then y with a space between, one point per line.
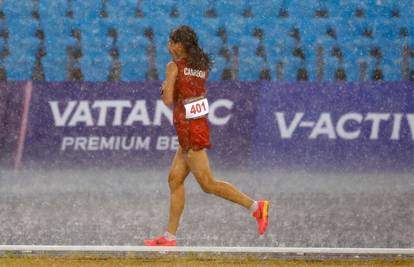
196 109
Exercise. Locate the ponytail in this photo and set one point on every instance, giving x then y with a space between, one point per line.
198 59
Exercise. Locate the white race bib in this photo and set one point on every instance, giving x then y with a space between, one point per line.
196 109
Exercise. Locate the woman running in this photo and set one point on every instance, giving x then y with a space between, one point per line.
184 89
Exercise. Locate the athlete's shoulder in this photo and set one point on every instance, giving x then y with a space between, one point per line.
172 65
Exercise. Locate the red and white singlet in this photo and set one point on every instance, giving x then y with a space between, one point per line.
189 90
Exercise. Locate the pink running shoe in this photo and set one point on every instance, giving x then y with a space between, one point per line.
261 215
160 241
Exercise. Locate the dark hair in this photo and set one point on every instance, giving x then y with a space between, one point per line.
197 58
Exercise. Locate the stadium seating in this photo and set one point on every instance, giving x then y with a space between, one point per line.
291 34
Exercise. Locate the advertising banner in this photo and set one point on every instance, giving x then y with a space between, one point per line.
319 126
96 124
337 126
12 95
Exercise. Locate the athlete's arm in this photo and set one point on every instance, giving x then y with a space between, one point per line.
168 85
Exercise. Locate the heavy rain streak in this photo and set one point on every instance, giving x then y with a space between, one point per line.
310 106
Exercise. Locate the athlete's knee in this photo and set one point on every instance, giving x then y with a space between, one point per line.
174 181
208 187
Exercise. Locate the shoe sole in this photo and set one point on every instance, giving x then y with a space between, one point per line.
157 245
266 206
149 243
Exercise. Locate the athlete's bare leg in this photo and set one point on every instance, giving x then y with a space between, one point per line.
178 172
200 167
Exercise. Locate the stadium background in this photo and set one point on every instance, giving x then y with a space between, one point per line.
283 56
277 40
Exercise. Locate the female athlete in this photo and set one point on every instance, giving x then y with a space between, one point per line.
184 89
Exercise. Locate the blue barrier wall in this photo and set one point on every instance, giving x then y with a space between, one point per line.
11 107
340 126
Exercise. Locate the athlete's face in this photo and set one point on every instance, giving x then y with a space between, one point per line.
174 48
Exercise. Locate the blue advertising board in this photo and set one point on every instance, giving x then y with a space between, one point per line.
11 110
336 126
288 125
126 123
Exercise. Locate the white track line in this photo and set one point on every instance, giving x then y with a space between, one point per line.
295 250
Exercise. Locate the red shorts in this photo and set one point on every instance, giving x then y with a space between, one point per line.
192 134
